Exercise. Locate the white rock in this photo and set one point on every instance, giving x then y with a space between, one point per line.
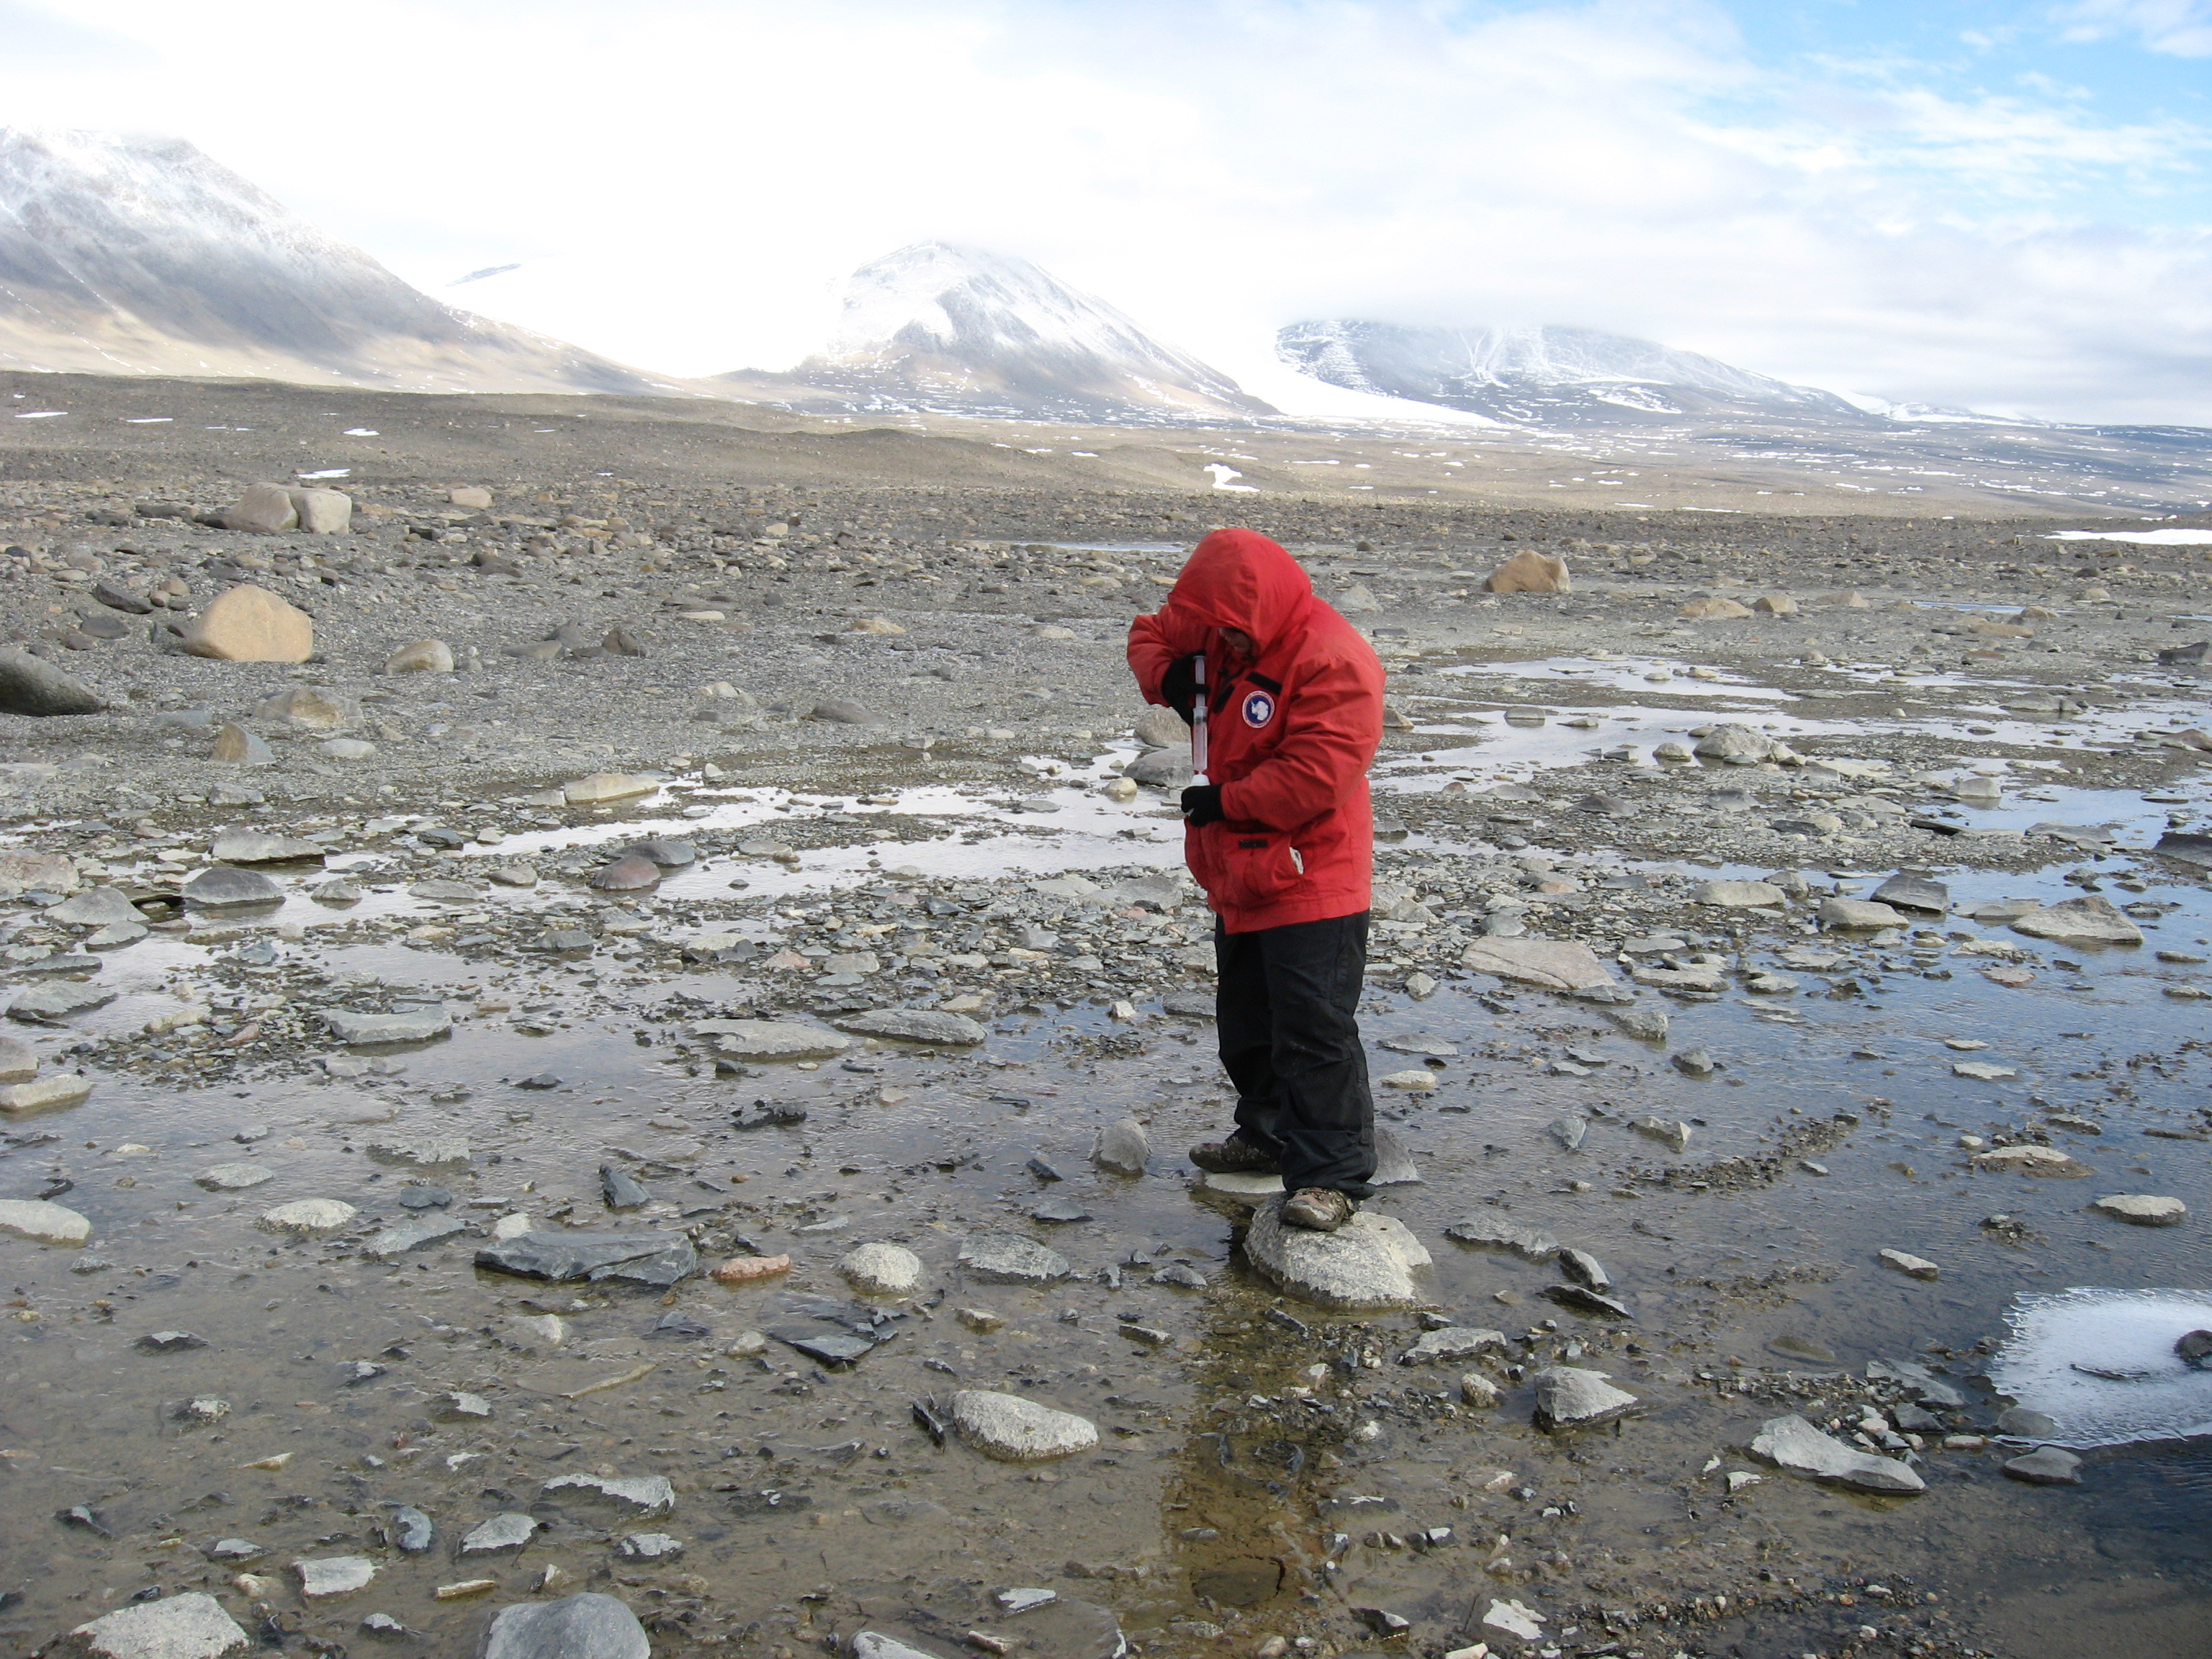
874 1644
1860 912
237 846
1570 1398
334 1575
1913 1267
307 1218
510 1531
1009 1259
1367 1263
648 1494
190 1626
1122 1148
50 1223
771 1040
1739 894
409 1025
882 1269
602 786
1792 1444
2143 1209
2031 1161
1553 964
233 1177
1515 1620
47 1094
1013 1430
1453 1342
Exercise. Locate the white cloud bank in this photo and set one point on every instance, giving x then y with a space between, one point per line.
679 181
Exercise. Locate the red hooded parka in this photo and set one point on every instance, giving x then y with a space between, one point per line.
1291 733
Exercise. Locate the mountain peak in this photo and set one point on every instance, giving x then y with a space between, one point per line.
938 324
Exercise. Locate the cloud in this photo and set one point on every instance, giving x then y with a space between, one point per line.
678 182
2183 28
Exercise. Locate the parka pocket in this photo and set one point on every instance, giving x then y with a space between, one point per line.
1255 869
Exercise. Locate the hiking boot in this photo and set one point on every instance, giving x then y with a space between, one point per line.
1234 1155
1318 1209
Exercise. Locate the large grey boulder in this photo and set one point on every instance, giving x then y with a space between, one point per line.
32 686
767 1041
1911 892
585 1626
1553 964
221 887
916 1026
1367 1263
190 1626
1792 1444
1860 912
1162 768
1013 1430
264 510
96 906
241 845
409 1025
1122 1148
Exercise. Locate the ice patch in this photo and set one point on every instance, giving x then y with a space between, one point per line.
2142 538
2102 1364
1223 475
41 414
327 472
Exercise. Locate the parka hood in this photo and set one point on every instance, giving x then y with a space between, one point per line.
1239 579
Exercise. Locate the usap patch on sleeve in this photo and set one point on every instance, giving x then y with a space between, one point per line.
1259 708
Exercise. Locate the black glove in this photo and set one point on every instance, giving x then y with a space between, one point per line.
1201 805
1179 686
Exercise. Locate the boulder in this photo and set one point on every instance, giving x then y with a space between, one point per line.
32 686
322 511
1568 1398
475 497
45 1003
882 1269
602 787
264 510
1530 572
307 1218
310 708
23 871
239 846
237 747
843 711
1859 913
1161 728
1775 604
1366 1264
250 624
1713 608
632 872
1792 1444
589 1625
1122 1148
643 1494
2092 919
2045 1161
1737 746
408 1025
223 886
1162 768
1911 892
96 906
47 1094
192 1625
2046 1466
916 1026
422 657
48 1222
656 1260
771 1039
1012 1429
1739 894
1553 964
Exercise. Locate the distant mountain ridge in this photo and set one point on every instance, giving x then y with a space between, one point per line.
935 325
1544 374
142 256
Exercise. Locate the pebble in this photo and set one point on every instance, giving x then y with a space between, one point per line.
1013 1430
1913 1267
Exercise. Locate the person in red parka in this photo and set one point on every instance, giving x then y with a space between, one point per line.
1282 839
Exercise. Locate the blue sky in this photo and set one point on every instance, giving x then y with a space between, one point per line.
1999 206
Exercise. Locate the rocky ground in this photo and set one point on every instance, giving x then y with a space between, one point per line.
761 854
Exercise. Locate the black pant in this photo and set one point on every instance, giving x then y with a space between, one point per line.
1286 1007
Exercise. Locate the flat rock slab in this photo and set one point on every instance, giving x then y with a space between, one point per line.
655 1259
234 1177
1792 1444
1739 894
2046 1466
190 1626
255 847
1009 1259
1913 1267
1453 1342
2089 919
412 1235
2045 1161
510 1531
1367 1263
307 1218
225 886
1909 892
333 1576
409 1026
647 1494
585 1626
1860 913
1013 1430
603 787
421 1152
2142 1209
917 1026
771 1040
96 906
1529 1243
1568 1398
47 1094
1553 964
45 1004
48 1222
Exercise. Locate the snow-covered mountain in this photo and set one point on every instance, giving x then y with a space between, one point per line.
939 326
1545 376
123 255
